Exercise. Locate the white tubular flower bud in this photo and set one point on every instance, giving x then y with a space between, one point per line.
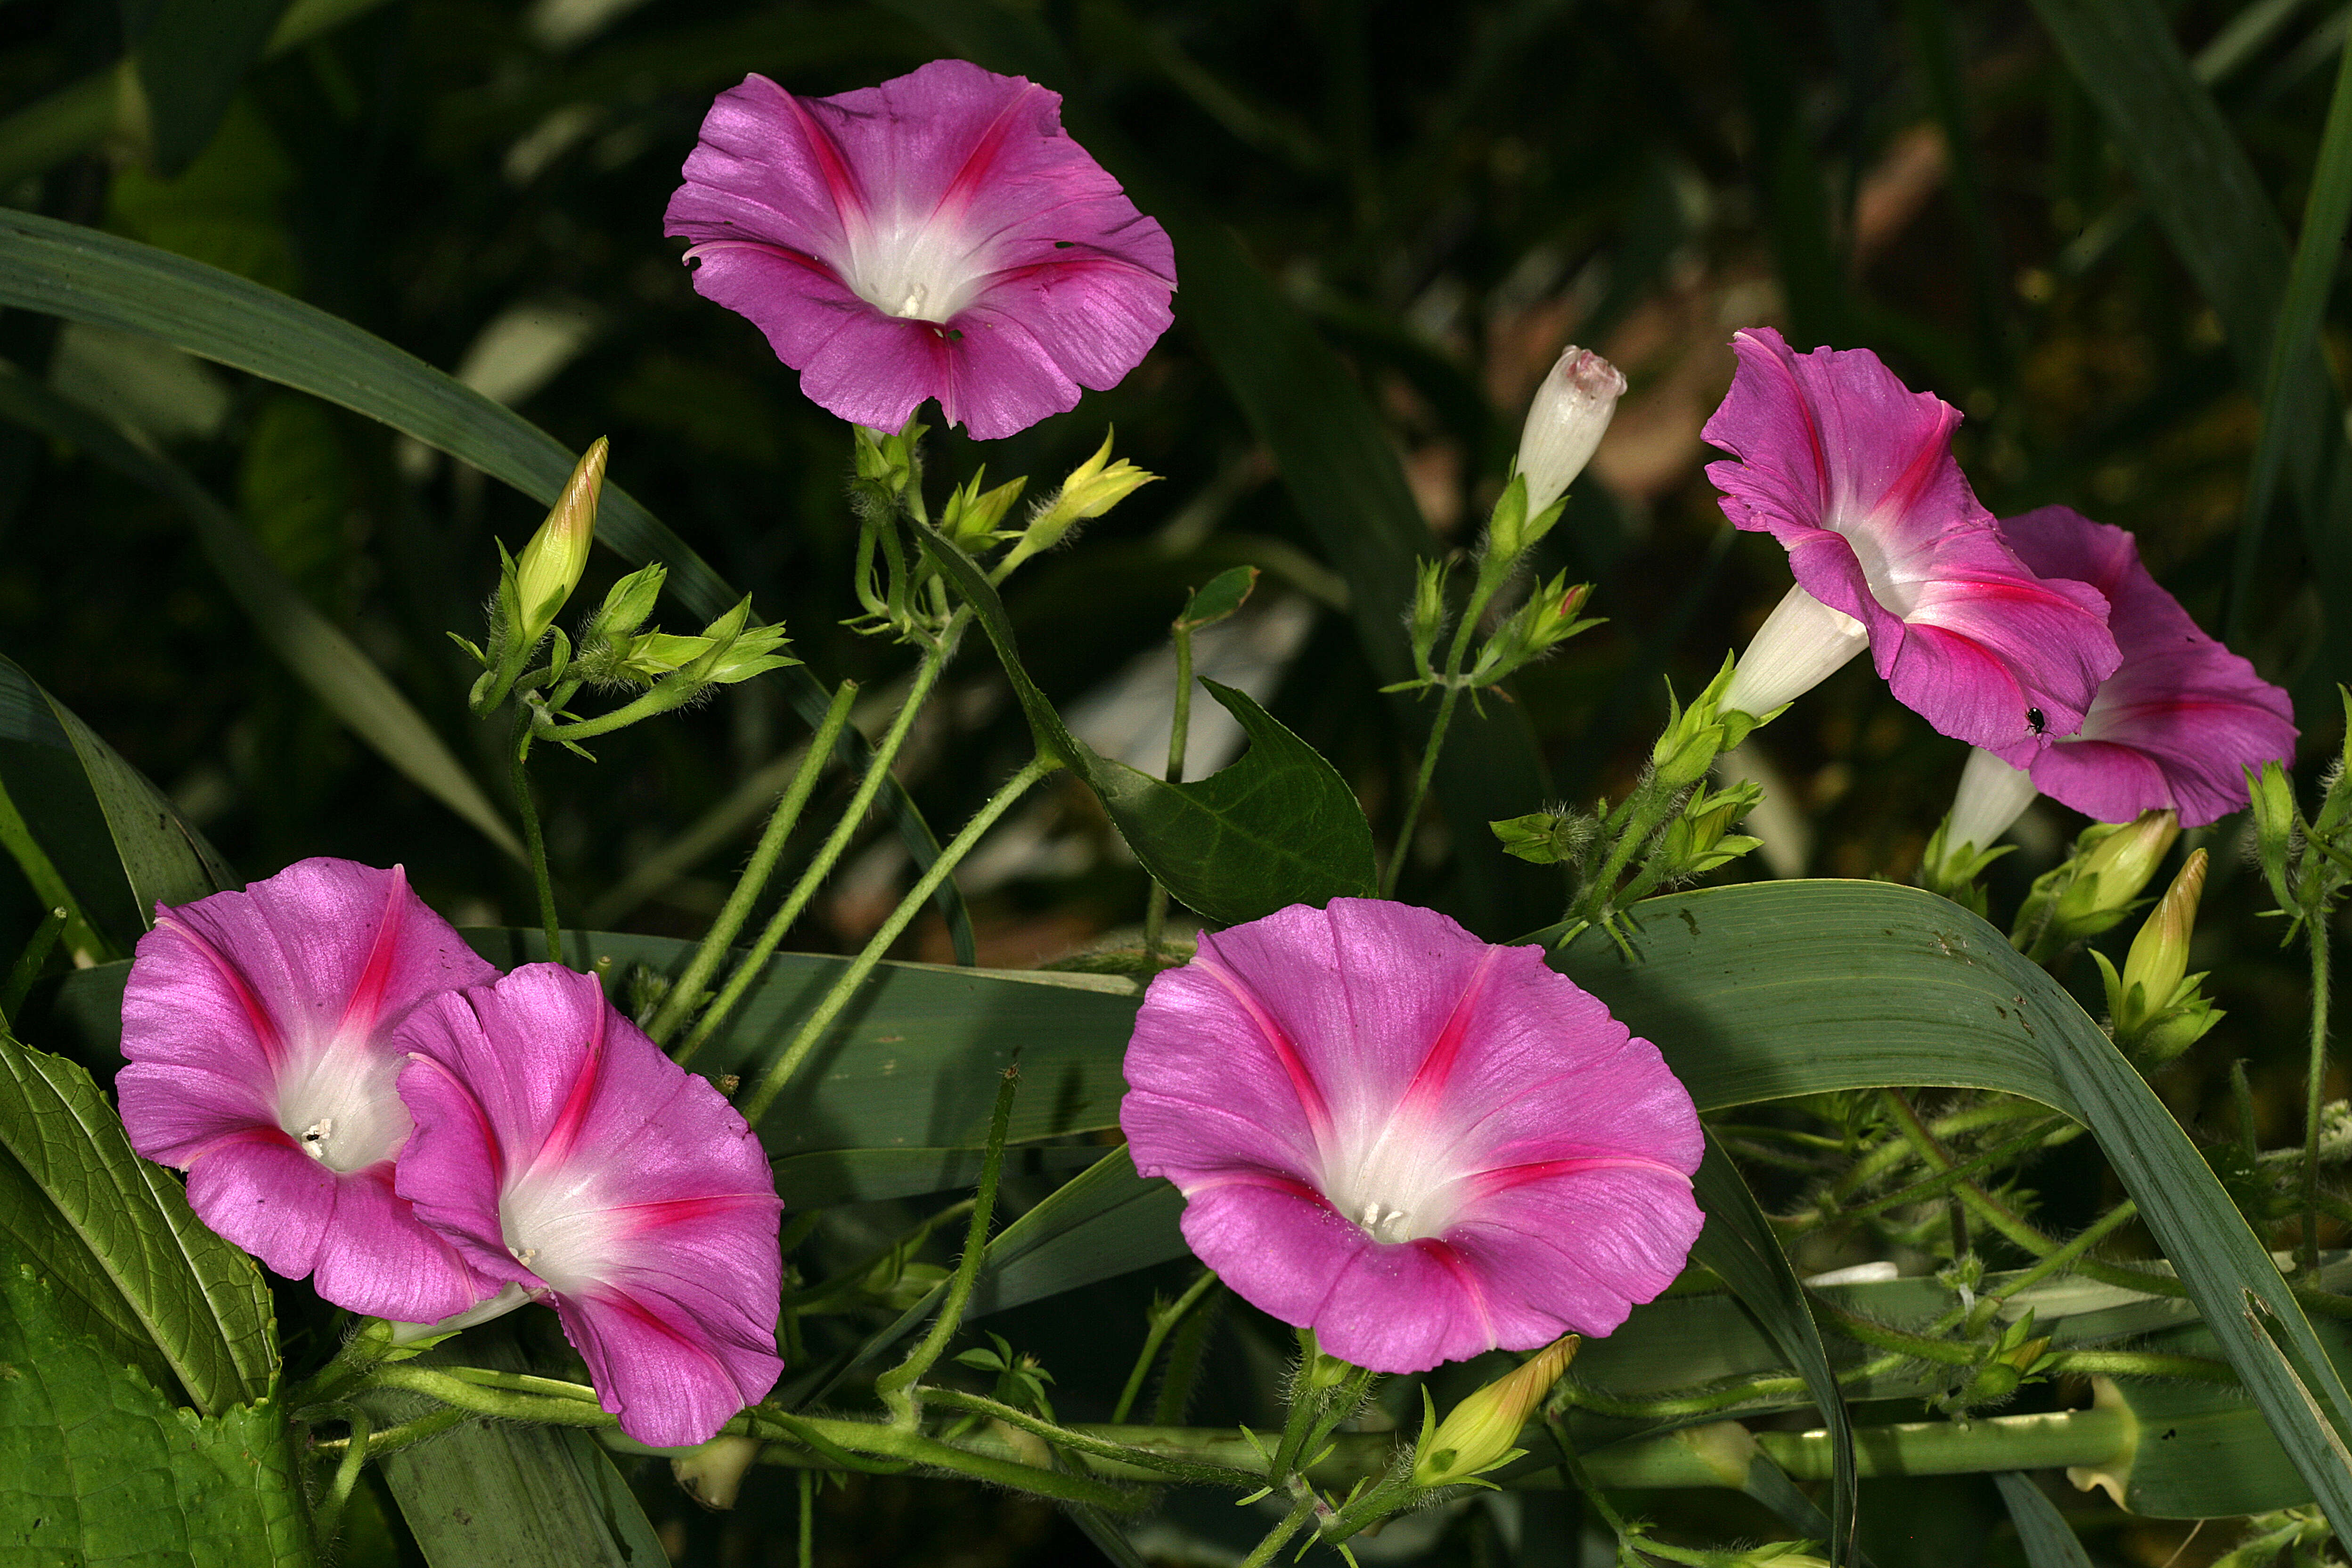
1801 643
1991 797
1572 408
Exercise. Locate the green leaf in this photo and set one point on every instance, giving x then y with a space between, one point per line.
1277 828
2040 1528
1221 596
1739 1244
509 1496
134 1268
84 275
117 845
102 1469
1773 989
345 681
191 55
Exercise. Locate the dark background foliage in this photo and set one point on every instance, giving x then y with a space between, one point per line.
1446 193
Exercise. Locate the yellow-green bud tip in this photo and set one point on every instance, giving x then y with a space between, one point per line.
551 564
1482 1431
2158 960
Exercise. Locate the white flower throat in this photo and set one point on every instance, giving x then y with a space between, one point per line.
923 268
342 1106
1393 1180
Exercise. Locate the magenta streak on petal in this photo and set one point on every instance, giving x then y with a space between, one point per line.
249 1134
1429 1081
1804 407
265 1029
482 1127
1486 1183
982 160
630 1306
1910 487
662 1212
1466 1277
561 1137
1272 1180
376 974
840 179
1302 1082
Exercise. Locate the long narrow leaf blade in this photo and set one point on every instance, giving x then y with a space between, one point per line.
314 648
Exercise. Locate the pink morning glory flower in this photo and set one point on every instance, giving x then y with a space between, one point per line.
939 235
1418 1145
2175 727
1853 473
564 1154
258 1027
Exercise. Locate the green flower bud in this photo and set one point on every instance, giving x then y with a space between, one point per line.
2158 960
1093 487
551 564
971 518
2118 864
1482 1431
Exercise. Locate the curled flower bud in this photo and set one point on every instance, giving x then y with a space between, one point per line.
2158 960
1483 1431
1571 410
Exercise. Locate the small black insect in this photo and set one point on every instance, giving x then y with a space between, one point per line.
2035 722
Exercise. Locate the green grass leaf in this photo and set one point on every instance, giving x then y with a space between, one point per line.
133 1267
85 275
1739 1245
317 652
113 841
102 1469
191 56
2040 1528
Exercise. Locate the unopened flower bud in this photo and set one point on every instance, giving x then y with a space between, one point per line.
2117 867
551 564
712 1474
630 602
2276 824
1428 619
971 518
1483 1430
2158 960
1572 408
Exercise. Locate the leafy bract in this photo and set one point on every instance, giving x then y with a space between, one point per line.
133 1267
102 1469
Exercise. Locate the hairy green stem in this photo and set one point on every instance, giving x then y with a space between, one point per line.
1421 781
534 842
2314 931
1179 727
772 1083
1162 1321
1091 1445
1280 1536
2143 1363
482 1400
328 1514
896 1387
688 987
877 770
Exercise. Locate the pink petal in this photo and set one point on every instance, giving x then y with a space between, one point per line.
1357 1100
558 1147
361 1247
1852 473
996 264
253 1017
2181 720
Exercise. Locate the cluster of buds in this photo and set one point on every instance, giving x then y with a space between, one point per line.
2306 862
2096 887
533 590
615 649
1570 413
2013 1358
1093 487
2156 1006
898 586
